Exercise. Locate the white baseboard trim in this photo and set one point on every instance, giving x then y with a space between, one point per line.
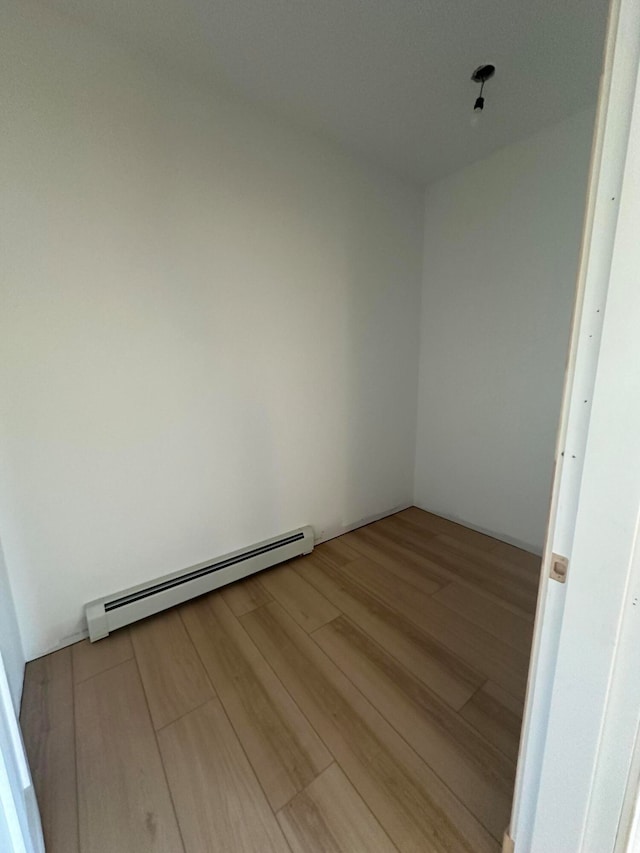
69 640
502 537
333 533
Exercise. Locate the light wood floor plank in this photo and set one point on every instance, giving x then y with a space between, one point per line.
245 595
474 770
285 752
124 801
493 560
395 555
435 524
403 549
91 658
505 584
487 613
329 816
497 661
336 552
219 802
172 675
302 601
447 675
466 560
518 556
416 810
498 716
48 730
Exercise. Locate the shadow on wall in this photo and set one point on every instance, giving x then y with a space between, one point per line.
381 353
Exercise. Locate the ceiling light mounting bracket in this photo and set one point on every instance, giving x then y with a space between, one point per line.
481 75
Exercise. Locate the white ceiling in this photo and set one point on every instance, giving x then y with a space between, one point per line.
389 79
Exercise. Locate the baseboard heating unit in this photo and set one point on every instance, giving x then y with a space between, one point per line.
129 605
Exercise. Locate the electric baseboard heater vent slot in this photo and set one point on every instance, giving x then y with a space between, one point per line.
116 611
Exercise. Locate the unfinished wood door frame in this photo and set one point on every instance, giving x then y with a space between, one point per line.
562 785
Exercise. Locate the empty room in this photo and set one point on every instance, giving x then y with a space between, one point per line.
287 354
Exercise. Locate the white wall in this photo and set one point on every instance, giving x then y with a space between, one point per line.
209 331
501 251
10 642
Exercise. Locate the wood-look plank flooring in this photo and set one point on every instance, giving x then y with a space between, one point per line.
367 697
123 797
47 721
329 815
